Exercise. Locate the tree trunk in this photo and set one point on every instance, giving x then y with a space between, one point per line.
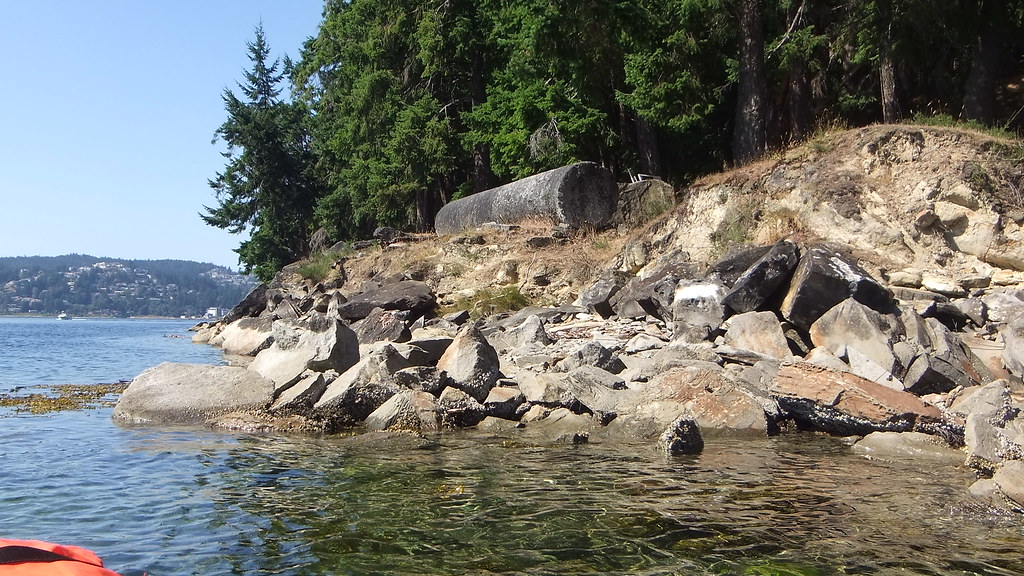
647 148
798 104
424 210
483 175
979 92
749 132
801 116
887 67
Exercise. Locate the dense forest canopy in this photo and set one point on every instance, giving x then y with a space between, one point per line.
396 107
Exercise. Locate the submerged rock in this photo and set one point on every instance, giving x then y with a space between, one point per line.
681 437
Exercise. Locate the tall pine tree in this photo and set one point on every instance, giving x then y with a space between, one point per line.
267 185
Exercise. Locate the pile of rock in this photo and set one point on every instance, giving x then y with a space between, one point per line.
768 338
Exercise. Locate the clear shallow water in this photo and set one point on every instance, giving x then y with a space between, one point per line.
189 501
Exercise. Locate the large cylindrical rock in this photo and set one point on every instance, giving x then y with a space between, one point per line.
575 195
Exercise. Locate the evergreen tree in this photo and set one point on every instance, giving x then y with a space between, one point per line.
384 136
268 185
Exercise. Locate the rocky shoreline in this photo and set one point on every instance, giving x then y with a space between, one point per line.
667 347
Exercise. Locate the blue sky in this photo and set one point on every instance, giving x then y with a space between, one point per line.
107 113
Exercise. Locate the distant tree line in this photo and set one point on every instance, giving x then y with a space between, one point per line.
86 285
396 107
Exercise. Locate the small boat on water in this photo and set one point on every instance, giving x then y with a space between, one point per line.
64 316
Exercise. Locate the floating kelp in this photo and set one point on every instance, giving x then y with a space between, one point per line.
44 399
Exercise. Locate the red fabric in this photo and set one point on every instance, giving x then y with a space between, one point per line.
85 563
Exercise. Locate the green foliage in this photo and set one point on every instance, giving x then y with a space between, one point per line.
268 185
947 121
735 228
403 105
492 301
384 121
317 267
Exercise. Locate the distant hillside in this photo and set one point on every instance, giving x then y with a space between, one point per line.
89 286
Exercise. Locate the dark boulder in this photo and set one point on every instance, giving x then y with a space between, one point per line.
382 325
254 303
410 295
760 282
597 298
736 261
681 437
653 295
825 278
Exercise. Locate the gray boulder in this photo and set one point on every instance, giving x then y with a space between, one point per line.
246 336
709 396
503 402
759 332
530 332
471 362
315 342
1004 306
576 195
1009 478
432 343
986 444
561 426
994 425
459 410
1013 350
191 393
697 310
301 396
409 410
542 387
361 389
823 279
424 378
382 325
991 402
902 446
591 354
594 376
851 324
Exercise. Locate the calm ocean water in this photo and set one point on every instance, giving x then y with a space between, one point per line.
176 501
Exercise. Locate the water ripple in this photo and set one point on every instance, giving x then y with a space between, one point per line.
189 501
